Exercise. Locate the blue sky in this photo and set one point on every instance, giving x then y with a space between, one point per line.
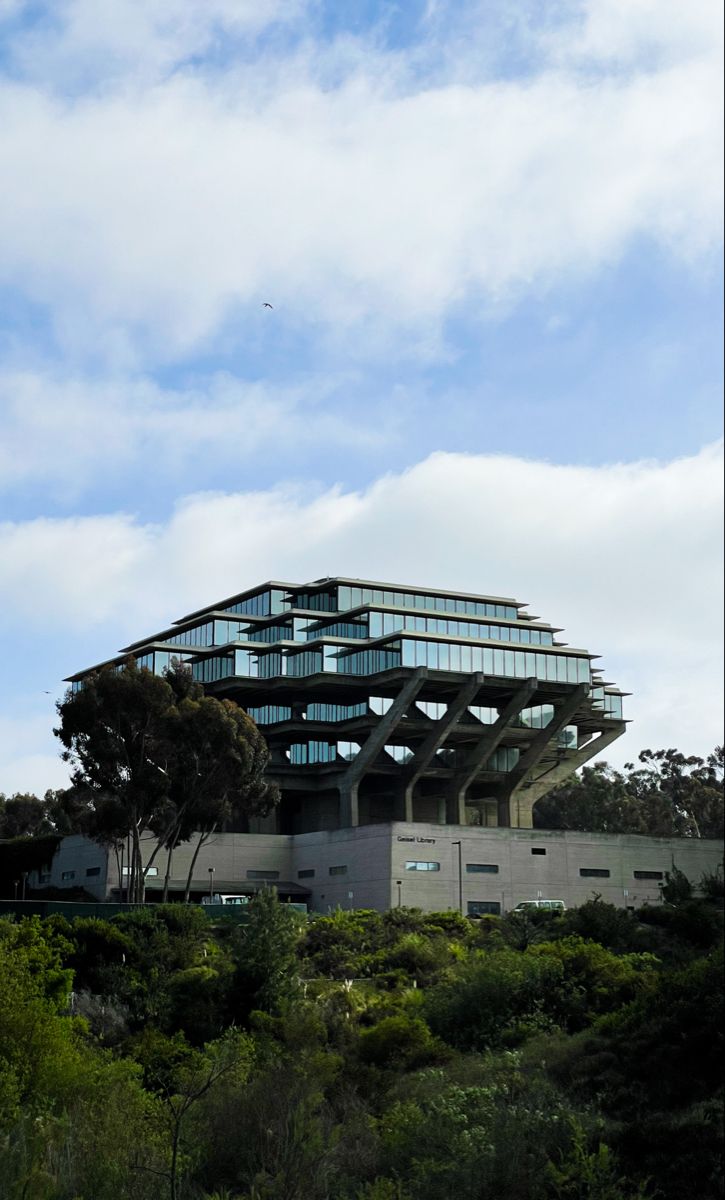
492 238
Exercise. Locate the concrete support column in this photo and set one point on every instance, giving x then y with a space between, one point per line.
350 783
485 747
428 749
529 791
513 810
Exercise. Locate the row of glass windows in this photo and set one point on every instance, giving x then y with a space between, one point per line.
335 712
504 759
382 623
346 629
351 597
487 716
270 633
369 662
198 635
518 664
206 670
609 704
317 601
264 604
432 709
269 714
401 754
156 661
309 662
297 663
304 753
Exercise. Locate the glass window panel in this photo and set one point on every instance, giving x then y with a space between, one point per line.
519 664
466 658
530 665
508 662
561 669
487 656
582 670
498 662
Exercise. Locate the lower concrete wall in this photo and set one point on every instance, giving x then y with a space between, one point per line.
371 866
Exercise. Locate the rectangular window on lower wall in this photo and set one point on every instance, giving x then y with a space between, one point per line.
482 868
482 908
67 874
338 870
649 875
538 850
594 873
422 866
262 874
306 873
93 871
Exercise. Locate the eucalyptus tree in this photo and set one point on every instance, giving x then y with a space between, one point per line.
158 759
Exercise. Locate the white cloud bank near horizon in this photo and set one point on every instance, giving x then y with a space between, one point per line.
626 557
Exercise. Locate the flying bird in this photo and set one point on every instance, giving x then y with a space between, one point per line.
267 304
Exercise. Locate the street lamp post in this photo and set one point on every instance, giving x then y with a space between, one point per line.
460 875
211 885
25 880
399 886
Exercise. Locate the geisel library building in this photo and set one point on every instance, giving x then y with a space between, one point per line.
411 734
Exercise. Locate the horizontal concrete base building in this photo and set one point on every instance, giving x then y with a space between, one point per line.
423 865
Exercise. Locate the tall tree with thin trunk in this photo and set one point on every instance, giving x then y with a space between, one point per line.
158 758
112 731
217 766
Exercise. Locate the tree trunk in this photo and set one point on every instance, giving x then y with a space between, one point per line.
203 837
167 876
136 874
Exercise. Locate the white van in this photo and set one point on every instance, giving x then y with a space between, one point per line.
548 905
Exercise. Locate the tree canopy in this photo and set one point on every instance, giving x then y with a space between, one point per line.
155 754
668 794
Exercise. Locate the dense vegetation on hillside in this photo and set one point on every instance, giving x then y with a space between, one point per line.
364 1056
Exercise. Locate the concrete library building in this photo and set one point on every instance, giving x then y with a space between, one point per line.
411 733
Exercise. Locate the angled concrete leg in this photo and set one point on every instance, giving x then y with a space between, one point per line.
349 806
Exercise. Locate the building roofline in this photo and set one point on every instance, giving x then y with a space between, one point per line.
318 585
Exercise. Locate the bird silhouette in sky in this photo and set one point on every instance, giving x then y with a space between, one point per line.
267 304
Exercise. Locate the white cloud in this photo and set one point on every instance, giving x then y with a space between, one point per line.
368 207
71 431
87 40
625 557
